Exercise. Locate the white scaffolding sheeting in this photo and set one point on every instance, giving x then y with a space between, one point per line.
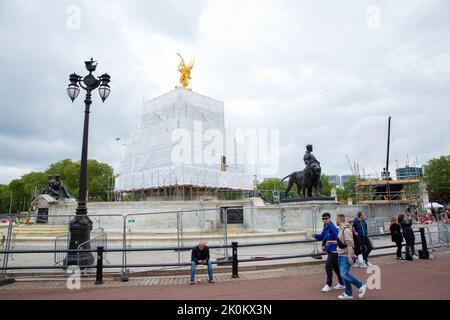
152 155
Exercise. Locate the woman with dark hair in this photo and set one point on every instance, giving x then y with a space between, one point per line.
396 236
408 234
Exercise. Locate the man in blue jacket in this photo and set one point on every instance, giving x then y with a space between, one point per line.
329 236
360 226
200 255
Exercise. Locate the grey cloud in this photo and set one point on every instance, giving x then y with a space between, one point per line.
342 80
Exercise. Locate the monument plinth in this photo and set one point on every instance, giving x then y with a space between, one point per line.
308 199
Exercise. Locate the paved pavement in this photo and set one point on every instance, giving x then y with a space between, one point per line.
421 279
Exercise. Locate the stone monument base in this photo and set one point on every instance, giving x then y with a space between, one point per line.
305 199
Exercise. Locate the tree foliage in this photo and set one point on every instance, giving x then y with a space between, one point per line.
31 184
5 196
326 185
269 185
347 190
437 178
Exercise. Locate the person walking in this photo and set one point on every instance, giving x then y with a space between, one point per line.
360 227
329 236
408 235
396 236
436 215
345 250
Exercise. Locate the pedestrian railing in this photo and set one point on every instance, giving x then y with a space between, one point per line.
377 230
443 234
101 250
100 240
377 226
61 243
438 238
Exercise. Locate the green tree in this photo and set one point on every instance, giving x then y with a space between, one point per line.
5 196
31 184
326 185
437 177
70 174
16 186
99 175
268 185
347 190
34 182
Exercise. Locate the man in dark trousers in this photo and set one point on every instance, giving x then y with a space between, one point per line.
200 255
360 226
328 237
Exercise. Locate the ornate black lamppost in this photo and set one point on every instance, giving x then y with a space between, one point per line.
81 226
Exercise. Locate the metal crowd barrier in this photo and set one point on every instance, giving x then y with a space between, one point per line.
101 250
62 243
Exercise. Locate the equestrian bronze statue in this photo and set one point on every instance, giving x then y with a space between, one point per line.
307 179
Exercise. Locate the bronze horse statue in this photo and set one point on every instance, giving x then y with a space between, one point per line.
305 183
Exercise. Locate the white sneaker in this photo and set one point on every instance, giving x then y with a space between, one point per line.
369 264
415 257
345 297
363 265
327 288
361 259
339 287
362 291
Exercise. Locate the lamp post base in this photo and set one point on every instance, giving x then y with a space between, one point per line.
6 281
80 231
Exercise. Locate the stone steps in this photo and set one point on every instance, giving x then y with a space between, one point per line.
38 231
43 239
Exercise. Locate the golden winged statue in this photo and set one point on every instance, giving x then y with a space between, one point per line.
185 73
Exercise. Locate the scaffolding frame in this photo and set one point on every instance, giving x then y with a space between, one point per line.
148 161
378 191
182 193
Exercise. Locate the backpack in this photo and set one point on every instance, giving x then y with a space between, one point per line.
356 247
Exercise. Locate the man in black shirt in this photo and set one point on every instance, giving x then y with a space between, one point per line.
200 255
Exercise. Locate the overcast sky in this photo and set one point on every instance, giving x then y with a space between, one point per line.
322 72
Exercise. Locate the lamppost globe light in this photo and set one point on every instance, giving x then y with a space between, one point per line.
104 90
73 91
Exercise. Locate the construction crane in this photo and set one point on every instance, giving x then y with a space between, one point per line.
350 165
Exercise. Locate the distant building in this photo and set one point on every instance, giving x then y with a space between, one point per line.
409 173
335 179
345 178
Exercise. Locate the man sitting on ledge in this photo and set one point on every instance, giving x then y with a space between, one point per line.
200 255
